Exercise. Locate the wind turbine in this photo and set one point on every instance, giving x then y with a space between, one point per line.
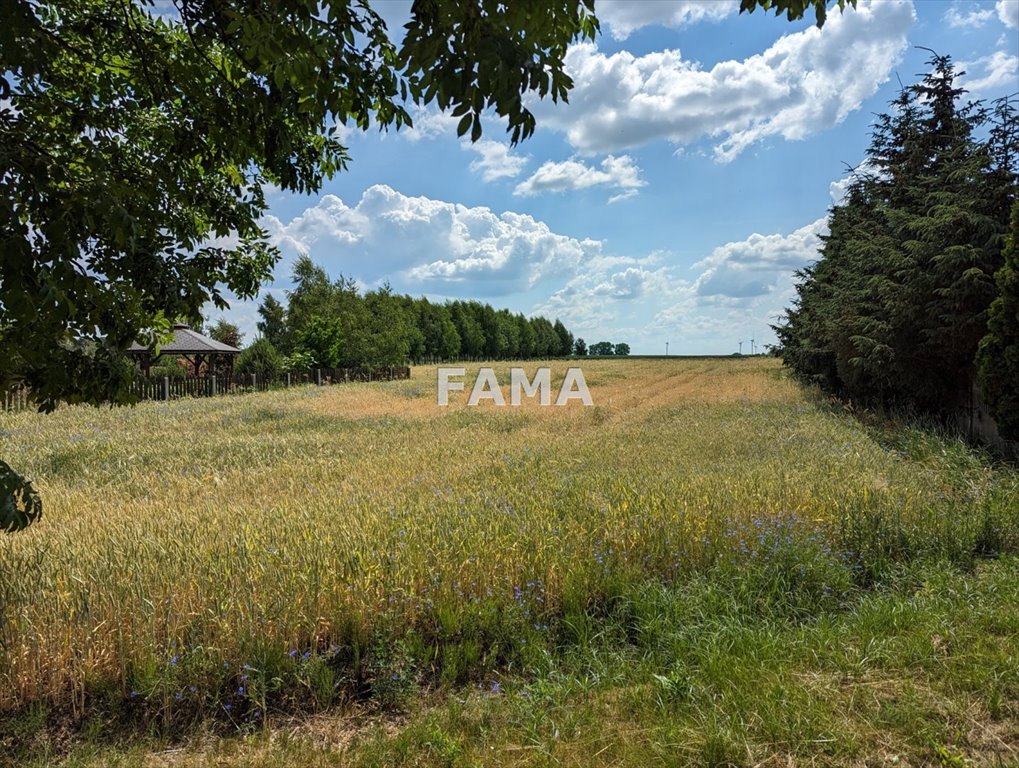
741 346
752 347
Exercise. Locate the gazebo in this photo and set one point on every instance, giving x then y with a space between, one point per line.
190 345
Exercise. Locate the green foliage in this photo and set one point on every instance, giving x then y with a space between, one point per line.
580 348
794 9
261 358
386 340
894 310
273 325
322 338
226 332
168 367
565 339
622 349
381 328
999 351
298 360
20 504
602 348
439 335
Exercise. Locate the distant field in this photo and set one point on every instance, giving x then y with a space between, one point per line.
246 558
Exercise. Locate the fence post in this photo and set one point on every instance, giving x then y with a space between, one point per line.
212 383
254 381
166 387
288 379
318 376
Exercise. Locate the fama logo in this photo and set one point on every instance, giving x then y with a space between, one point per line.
486 386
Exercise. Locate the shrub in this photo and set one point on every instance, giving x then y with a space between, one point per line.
261 358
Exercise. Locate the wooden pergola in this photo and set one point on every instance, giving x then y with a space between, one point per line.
190 345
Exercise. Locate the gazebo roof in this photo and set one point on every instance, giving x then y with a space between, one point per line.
187 342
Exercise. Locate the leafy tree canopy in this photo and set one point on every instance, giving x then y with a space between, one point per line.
226 332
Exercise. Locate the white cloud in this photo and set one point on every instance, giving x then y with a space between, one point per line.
758 265
429 123
571 175
837 190
999 71
425 245
805 82
974 18
603 297
1008 12
738 291
495 161
622 17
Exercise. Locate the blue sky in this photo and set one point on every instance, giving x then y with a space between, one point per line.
674 196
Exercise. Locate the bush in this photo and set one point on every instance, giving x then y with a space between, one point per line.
300 360
261 358
169 368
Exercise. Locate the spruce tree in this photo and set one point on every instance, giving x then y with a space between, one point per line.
999 350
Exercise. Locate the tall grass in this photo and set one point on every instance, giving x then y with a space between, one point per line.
289 550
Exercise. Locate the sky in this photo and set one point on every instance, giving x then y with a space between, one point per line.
674 196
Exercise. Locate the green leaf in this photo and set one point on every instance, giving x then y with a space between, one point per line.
20 505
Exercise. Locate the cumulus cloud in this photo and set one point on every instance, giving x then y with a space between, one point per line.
805 82
758 265
998 72
1008 12
738 290
495 161
973 18
420 244
604 297
623 17
569 175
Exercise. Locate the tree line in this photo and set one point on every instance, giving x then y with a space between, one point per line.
330 324
913 300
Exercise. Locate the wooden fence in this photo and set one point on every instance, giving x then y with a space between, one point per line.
174 387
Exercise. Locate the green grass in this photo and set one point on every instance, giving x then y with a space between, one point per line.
706 568
914 673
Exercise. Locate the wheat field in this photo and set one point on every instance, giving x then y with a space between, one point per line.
232 555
